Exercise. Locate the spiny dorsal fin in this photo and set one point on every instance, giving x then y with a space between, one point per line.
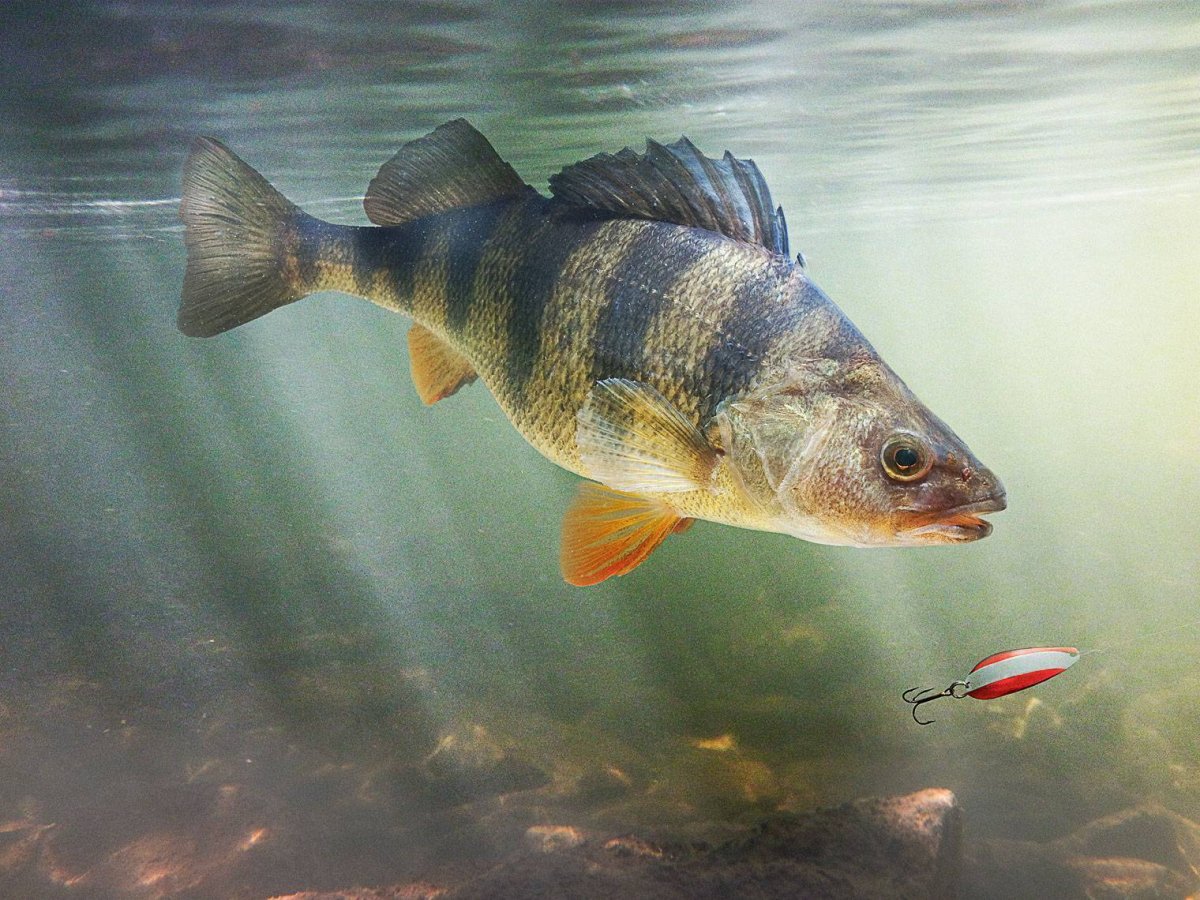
677 183
631 438
438 370
453 166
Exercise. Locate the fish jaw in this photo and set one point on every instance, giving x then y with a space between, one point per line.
957 525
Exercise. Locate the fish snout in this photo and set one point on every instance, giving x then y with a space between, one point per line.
960 522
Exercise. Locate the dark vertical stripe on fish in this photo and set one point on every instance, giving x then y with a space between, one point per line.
308 242
634 294
532 284
755 320
362 264
468 232
395 249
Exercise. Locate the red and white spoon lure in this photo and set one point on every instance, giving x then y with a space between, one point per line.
998 675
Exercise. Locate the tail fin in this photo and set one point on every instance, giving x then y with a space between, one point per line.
235 222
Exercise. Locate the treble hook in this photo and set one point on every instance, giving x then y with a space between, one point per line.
957 690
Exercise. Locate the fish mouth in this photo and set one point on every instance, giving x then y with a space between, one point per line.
958 524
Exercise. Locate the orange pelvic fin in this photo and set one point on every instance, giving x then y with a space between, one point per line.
607 532
438 370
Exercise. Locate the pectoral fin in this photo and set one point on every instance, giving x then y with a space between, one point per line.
438 370
633 439
607 532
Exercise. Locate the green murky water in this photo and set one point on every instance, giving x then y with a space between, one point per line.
269 624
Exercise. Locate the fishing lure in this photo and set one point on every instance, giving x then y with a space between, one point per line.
998 675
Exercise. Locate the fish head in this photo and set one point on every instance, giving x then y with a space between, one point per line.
843 453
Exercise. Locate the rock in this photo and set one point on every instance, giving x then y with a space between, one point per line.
1145 853
417 890
1121 878
897 847
468 763
1150 833
603 786
1002 870
549 838
20 844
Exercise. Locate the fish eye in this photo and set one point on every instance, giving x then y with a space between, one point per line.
905 458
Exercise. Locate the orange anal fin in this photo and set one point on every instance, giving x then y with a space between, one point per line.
607 533
438 370
683 525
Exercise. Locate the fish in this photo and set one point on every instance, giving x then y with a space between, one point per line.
644 326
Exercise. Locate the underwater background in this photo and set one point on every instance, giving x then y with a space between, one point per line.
269 624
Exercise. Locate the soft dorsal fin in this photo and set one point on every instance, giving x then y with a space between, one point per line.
677 183
438 370
451 167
